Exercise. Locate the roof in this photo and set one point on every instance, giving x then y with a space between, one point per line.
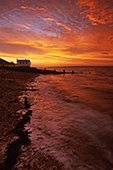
2 61
23 60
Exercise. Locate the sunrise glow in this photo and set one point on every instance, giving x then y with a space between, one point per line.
57 33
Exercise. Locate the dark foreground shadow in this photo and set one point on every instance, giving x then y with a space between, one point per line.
14 149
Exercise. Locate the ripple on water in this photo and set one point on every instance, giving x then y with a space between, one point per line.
76 135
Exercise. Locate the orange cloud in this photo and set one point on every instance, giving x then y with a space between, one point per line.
27 7
33 9
41 9
49 19
21 49
23 26
96 11
58 32
68 28
24 7
91 47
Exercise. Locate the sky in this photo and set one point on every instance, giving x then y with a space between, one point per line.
57 32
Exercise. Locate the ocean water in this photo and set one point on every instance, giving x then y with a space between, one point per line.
73 117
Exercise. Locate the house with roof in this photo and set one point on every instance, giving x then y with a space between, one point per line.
4 63
23 63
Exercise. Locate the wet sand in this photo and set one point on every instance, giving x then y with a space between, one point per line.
13 146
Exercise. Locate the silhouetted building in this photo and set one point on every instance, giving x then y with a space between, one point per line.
4 63
23 63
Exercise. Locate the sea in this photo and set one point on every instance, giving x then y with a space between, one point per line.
72 117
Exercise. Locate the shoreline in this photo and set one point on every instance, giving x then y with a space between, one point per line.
38 71
11 86
16 151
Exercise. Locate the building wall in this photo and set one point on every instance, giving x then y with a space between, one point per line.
23 63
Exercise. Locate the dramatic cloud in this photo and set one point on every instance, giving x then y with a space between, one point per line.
68 28
48 19
98 12
8 48
59 32
33 9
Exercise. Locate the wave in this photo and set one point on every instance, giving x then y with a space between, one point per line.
68 124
